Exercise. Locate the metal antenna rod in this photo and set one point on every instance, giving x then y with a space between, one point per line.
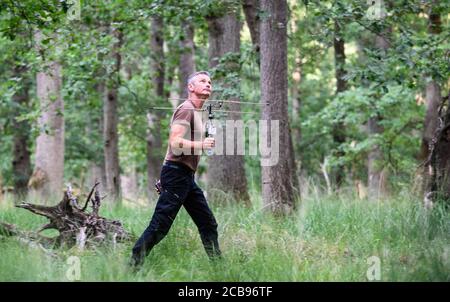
231 111
224 101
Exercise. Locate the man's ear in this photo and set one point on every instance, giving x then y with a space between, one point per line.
190 87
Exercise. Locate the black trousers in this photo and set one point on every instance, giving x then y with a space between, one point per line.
179 188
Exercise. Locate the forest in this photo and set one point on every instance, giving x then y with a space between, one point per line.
332 156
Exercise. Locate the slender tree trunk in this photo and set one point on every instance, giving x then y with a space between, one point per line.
376 179
433 92
443 157
48 173
438 163
296 127
154 142
110 116
101 175
433 101
251 11
341 85
278 180
226 172
436 137
21 154
187 62
129 183
377 184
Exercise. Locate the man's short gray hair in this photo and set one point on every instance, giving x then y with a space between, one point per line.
192 76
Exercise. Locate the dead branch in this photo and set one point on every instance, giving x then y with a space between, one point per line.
75 225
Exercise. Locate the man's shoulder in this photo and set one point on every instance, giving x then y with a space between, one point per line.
186 105
183 113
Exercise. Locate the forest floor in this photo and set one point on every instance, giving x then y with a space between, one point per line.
330 238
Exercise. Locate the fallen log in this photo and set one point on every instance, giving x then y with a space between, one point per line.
75 225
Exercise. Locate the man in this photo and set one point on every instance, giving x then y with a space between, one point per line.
177 175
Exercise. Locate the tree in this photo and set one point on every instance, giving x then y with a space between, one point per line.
278 181
432 92
436 136
376 173
226 172
187 62
341 86
251 11
110 118
21 131
157 71
47 178
438 163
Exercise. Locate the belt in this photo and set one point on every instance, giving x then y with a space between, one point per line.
177 165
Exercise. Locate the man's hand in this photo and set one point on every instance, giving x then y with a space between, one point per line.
209 143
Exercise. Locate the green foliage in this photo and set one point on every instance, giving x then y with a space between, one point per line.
382 83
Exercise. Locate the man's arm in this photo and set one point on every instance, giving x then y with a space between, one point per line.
176 140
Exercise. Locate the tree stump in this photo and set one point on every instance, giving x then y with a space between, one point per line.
75 225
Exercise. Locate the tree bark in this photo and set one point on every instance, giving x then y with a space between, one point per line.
436 137
278 181
154 142
433 101
377 182
21 154
187 62
226 173
432 94
48 174
341 85
110 118
251 11
438 163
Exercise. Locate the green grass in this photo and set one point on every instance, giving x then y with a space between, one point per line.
329 239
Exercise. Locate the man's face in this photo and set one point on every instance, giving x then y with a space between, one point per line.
201 86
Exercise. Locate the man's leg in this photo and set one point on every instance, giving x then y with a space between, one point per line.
166 210
198 209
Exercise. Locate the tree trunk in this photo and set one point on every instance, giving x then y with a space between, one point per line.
296 127
48 174
438 163
187 62
154 142
21 154
100 167
433 101
110 118
153 158
251 11
377 182
130 188
278 180
376 179
341 85
433 92
436 137
226 173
